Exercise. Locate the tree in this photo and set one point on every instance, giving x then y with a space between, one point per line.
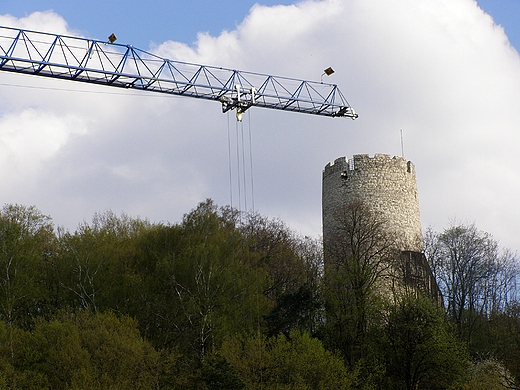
27 244
501 287
294 311
219 374
279 362
95 266
83 351
210 281
359 259
419 350
498 338
53 352
489 374
120 358
294 268
276 249
474 277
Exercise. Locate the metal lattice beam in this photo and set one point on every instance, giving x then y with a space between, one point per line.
105 63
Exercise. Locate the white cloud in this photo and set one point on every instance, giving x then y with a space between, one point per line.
27 139
440 70
47 21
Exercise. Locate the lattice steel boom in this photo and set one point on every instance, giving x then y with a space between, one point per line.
106 63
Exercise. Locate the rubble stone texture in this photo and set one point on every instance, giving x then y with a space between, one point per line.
387 185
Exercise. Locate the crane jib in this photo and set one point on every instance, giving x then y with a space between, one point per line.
124 66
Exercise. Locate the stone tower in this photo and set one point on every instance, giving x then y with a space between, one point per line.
387 185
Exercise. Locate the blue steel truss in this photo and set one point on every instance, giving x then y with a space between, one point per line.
105 63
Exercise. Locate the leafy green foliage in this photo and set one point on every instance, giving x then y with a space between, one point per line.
223 300
217 373
418 347
489 374
26 248
279 362
293 311
83 351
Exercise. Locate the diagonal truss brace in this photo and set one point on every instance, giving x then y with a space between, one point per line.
111 64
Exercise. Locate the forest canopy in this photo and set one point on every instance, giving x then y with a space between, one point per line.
231 300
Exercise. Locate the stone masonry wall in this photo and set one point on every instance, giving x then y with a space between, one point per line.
387 185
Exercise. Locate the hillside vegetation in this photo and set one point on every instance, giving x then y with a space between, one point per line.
223 300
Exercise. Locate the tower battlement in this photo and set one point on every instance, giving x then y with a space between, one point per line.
365 162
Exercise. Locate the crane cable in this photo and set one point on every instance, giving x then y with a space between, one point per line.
258 333
251 163
243 184
229 163
240 151
241 180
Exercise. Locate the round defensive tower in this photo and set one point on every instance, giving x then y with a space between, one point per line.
387 185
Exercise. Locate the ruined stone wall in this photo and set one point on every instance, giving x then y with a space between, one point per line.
387 185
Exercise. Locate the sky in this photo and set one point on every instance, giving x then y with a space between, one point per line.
444 73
